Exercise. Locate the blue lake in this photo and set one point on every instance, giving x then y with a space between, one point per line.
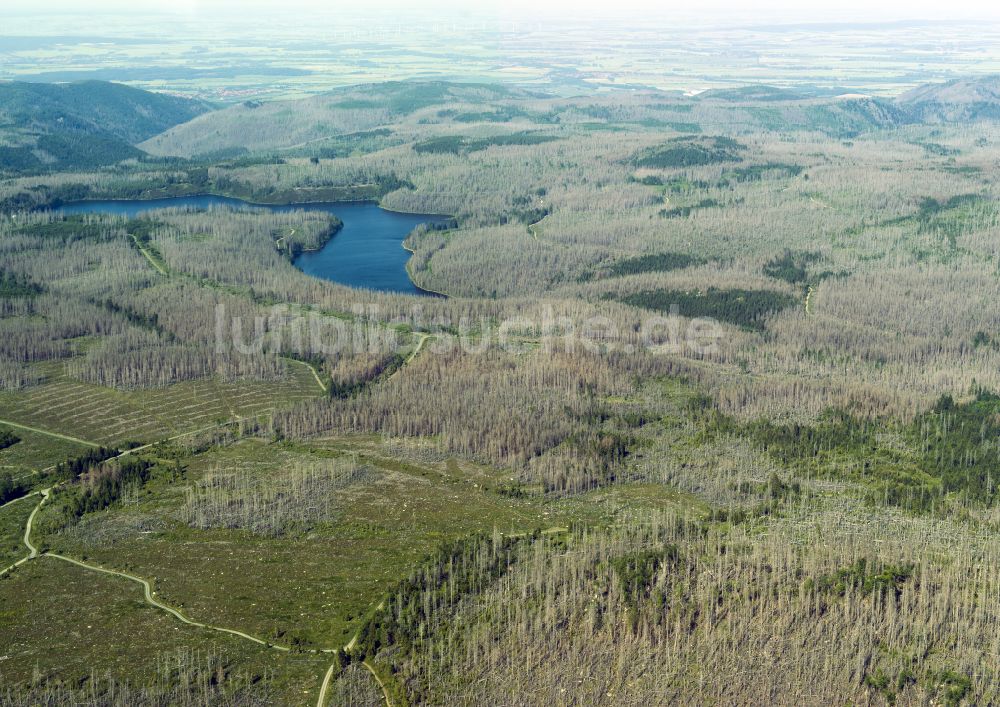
367 252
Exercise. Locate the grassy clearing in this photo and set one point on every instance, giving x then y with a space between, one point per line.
312 585
12 520
107 416
36 451
48 629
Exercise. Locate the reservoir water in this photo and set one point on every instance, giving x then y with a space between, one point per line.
367 252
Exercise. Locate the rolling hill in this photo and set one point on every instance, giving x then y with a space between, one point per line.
284 124
959 100
81 125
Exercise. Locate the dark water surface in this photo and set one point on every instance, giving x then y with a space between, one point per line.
367 252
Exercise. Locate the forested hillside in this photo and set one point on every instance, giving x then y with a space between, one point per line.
961 99
81 125
317 121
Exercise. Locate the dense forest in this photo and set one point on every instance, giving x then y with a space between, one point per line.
50 127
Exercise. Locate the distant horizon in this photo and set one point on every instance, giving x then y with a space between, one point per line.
267 51
712 12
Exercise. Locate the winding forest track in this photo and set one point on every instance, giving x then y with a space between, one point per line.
40 431
32 550
321 700
423 336
312 368
416 349
149 592
281 240
152 261
176 613
148 596
31 519
385 691
18 499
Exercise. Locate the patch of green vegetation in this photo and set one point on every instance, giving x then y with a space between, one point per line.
636 571
406 97
967 170
656 262
604 450
685 211
457 144
317 584
767 499
355 104
676 126
36 452
745 308
791 266
950 685
526 209
12 521
757 172
11 488
112 417
498 115
446 144
951 218
602 127
82 124
129 114
956 442
44 196
848 119
106 486
879 681
837 444
84 151
691 152
677 185
947 451
69 229
352 388
759 92
768 118
860 577
685 107
684 127
933 148
453 572
8 438
51 611
957 216
14 286
71 469
981 338
346 145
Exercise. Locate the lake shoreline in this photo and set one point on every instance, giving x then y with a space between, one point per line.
411 251
225 195
367 250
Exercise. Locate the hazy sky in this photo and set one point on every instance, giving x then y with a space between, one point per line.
711 10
